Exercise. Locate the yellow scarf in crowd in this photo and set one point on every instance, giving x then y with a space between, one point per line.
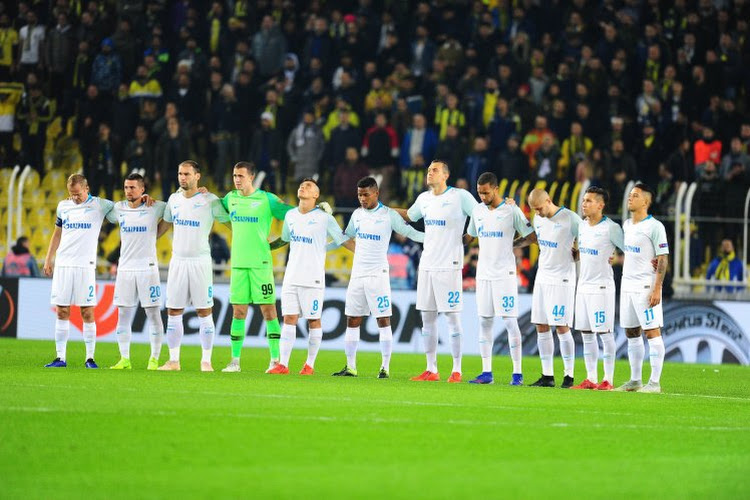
722 271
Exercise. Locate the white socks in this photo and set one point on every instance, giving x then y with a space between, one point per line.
568 352
62 332
455 331
485 342
636 353
156 330
89 338
656 353
591 356
314 338
206 333
175 331
515 343
286 343
430 339
546 347
386 345
351 341
124 330
608 356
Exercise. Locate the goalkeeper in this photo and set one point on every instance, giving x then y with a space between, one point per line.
250 212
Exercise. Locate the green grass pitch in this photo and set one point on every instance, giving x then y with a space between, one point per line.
107 434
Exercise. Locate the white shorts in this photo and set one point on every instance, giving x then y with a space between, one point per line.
305 301
369 295
73 286
439 291
553 304
595 308
497 298
132 286
635 312
190 282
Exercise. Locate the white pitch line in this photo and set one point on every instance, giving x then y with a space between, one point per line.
390 420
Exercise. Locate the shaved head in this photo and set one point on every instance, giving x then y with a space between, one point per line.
538 195
540 202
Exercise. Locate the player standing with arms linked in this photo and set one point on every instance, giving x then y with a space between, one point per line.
72 256
495 223
251 212
553 297
306 228
369 290
598 236
190 276
138 269
439 285
640 292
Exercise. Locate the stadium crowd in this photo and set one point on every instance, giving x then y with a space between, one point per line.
609 91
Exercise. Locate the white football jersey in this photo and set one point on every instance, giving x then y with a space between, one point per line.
444 221
496 230
192 219
555 236
372 230
80 224
596 244
643 242
307 235
138 228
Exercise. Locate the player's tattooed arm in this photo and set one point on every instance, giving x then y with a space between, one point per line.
662 263
278 243
525 241
468 239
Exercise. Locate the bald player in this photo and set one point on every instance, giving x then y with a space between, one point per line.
640 294
554 288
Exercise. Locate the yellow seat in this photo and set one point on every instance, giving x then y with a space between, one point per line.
31 181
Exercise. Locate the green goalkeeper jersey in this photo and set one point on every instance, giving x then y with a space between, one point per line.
251 224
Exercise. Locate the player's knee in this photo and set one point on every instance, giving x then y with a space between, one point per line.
63 313
87 314
561 330
354 322
633 332
203 313
239 312
291 319
267 310
652 334
314 323
542 328
383 322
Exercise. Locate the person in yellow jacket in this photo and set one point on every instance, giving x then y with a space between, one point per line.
574 148
10 96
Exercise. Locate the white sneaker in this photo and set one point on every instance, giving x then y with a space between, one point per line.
206 366
170 366
630 386
651 388
273 364
232 367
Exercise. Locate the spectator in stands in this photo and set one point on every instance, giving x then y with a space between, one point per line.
710 195
680 162
450 115
401 262
138 154
512 163
649 152
103 171
343 137
706 149
60 46
224 124
34 114
501 127
418 140
575 148
269 47
476 164
726 266
106 71
733 157
171 149
348 173
380 152
31 45
305 147
266 150
547 159
532 141
10 97
8 47
19 261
